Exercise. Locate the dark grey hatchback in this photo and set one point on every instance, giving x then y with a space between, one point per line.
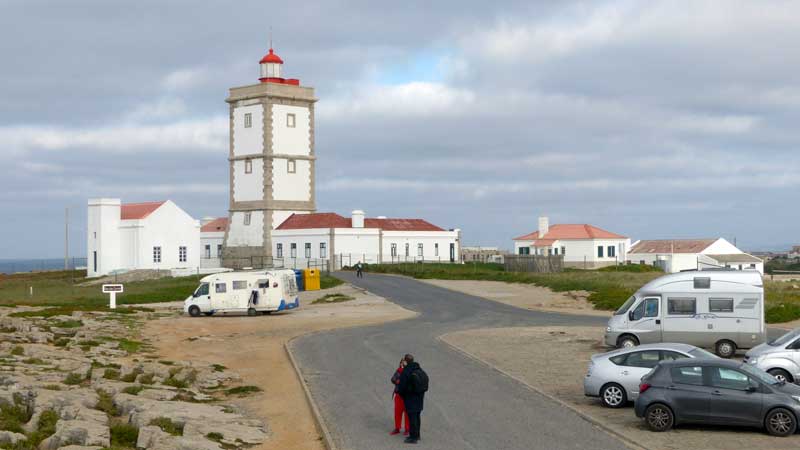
716 391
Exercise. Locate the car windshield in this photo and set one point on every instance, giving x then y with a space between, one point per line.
758 374
700 353
785 339
622 309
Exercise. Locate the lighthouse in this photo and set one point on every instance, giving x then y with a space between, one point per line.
271 159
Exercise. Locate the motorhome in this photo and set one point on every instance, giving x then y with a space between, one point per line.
256 292
718 309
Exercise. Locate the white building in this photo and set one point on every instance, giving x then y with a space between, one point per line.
272 161
329 236
582 245
675 255
212 238
152 235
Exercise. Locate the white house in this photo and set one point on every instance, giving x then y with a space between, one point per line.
675 255
212 237
151 235
582 245
346 241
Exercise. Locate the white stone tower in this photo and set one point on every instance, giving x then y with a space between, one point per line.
271 162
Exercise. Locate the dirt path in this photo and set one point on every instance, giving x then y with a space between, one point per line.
525 296
254 348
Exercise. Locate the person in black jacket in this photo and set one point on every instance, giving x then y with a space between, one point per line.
413 401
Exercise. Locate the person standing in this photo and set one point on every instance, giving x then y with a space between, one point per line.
359 270
412 387
399 407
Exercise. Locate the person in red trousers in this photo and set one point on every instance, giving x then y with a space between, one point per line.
399 408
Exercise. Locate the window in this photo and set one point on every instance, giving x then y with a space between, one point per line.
156 254
407 249
95 236
687 375
681 306
599 251
291 166
638 313
524 250
293 250
563 251
752 266
435 249
308 250
619 359
612 251
549 251
219 250
420 252
279 250
220 288
667 355
394 249
702 283
323 250
555 251
248 120
202 290
729 379
181 254
94 256
247 217
647 359
208 251
239 284
248 166
290 120
720 305
651 307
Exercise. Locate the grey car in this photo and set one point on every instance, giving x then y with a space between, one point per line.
715 391
615 376
780 357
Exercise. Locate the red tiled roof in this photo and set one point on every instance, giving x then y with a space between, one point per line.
572 231
218 224
135 211
333 220
672 246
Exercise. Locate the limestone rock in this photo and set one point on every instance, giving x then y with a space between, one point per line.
8 437
77 432
149 435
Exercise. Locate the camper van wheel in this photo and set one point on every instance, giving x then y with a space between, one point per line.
251 312
194 311
725 349
627 341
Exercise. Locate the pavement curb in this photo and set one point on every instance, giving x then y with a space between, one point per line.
625 440
319 422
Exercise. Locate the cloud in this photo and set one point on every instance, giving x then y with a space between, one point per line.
164 108
185 79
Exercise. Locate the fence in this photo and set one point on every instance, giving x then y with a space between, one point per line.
534 263
270 262
337 262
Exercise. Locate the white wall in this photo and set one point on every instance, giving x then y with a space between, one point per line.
579 250
247 141
211 239
721 247
291 141
169 227
248 186
291 186
428 239
241 235
103 235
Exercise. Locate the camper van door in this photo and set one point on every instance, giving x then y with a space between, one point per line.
645 318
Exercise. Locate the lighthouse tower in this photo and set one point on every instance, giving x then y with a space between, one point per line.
271 161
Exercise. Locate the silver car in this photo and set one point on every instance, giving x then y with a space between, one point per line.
780 358
615 376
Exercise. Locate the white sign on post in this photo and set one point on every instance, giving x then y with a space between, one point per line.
112 290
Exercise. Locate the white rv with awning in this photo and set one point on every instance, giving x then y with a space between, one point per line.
256 292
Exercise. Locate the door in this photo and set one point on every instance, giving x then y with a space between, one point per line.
452 252
645 320
735 397
687 394
635 366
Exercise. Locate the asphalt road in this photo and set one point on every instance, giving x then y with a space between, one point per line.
469 406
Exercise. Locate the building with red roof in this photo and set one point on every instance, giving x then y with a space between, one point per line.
580 245
675 255
347 240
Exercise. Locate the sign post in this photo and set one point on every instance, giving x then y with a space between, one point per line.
112 290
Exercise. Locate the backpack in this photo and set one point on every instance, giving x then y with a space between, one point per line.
419 381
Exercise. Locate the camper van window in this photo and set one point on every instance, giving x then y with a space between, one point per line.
202 290
263 284
239 285
624 308
720 305
220 288
651 307
681 306
702 283
638 313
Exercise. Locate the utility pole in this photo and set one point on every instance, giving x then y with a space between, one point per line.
66 238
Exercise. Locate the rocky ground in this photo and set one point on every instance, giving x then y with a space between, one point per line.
88 380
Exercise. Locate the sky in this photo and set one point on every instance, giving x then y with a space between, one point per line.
653 119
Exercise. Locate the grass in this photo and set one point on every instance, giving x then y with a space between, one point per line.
111 374
327 281
133 390
18 351
67 310
168 426
218 367
34 361
332 298
124 435
242 390
61 288
14 415
73 379
147 378
132 375
105 403
67 324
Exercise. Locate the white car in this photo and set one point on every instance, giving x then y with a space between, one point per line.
780 358
615 376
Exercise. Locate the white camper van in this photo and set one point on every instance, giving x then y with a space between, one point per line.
238 292
719 309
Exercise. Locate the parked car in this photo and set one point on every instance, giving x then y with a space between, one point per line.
780 358
256 292
717 309
715 391
615 376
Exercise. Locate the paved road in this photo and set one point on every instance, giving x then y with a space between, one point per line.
469 405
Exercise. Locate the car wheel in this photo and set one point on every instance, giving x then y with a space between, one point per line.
627 341
659 417
780 422
725 349
613 395
781 375
194 311
252 312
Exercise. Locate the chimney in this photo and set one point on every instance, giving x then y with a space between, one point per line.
358 218
544 226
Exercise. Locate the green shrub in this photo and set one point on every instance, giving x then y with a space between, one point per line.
327 282
132 375
67 324
45 428
168 426
176 383
34 361
14 415
782 313
147 378
133 390
124 435
214 436
73 379
111 374
129 345
218 367
105 403
18 351
242 390
52 387
61 342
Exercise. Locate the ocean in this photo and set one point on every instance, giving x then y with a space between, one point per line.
33 265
